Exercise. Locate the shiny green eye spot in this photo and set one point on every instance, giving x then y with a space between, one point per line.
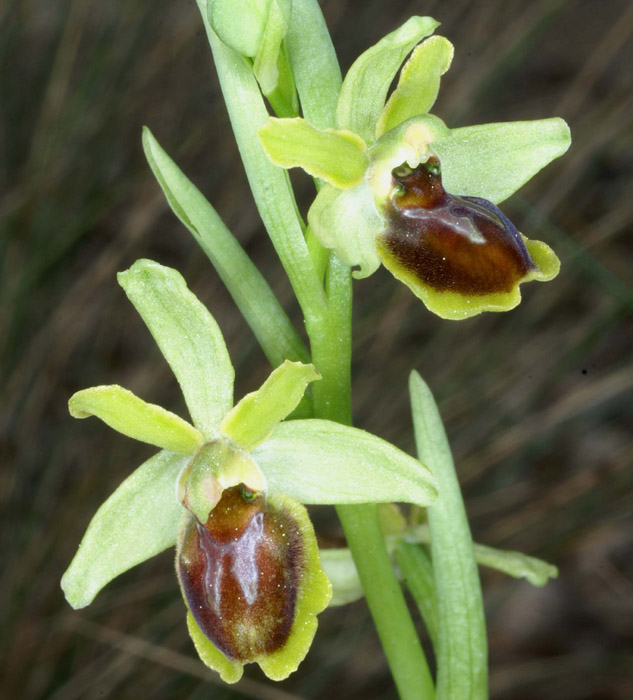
398 189
432 166
247 495
402 171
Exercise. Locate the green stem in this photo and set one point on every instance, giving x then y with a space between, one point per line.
331 352
270 185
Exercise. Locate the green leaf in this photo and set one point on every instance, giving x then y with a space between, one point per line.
319 461
365 87
417 573
140 519
188 337
348 222
250 291
314 63
494 160
515 564
253 418
336 156
125 412
419 83
461 649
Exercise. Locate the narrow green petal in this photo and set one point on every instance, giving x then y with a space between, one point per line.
462 647
365 87
348 222
188 337
319 461
125 412
230 671
253 418
140 519
250 291
419 83
494 160
336 156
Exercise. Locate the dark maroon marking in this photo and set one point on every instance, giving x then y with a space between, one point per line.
240 573
460 244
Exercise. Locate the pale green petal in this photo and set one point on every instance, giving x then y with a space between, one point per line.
365 87
336 156
419 83
253 418
318 461
250 291
140 519
188 337
494 160
125 412
348 222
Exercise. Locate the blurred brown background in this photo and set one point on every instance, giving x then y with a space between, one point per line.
538 402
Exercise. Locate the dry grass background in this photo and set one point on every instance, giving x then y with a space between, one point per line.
538 402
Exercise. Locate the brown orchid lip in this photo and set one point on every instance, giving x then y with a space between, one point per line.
240 573
449 242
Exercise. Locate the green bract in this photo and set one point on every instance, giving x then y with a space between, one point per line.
238 468
405 190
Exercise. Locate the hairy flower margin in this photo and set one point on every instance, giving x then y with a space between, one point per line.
388 170
228 489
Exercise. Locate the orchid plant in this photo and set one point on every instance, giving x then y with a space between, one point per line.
395 185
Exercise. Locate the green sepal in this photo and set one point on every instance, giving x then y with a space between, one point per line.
140 519
216 466
126 413
419 83
251 421
494 160
339 157
319 461
250 291
230 671
365 87
348 222
188 337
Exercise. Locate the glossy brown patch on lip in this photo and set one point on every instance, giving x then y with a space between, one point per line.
450 243
240 573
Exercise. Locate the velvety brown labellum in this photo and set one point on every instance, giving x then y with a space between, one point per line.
240 573
460 244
